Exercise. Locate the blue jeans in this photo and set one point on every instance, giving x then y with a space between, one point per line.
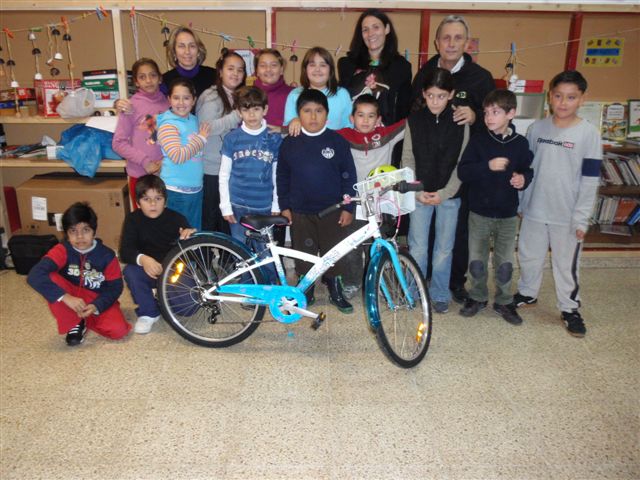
189 205
238 232
446 221
141 287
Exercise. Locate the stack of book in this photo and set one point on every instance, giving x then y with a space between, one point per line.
620 169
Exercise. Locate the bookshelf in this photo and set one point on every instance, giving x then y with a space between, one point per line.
595 236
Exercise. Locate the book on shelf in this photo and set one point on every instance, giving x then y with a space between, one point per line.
613 229
614 121
634 119
626 205
592 113
634 217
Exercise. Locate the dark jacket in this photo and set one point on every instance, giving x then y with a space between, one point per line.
471 82
204 78
436 142
490 193
394 102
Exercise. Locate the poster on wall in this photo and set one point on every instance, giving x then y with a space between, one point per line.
603 52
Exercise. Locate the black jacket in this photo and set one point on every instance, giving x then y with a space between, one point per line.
472 83
490 193
395 102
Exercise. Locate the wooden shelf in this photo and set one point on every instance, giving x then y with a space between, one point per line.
619 190
626 147
596 236
38 119
39 162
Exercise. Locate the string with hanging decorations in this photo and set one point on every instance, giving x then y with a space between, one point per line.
54 34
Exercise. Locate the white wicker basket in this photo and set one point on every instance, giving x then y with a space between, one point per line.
392 203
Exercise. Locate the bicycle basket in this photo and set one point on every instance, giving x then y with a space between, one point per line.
393 203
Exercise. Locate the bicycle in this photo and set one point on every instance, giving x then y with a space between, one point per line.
213 293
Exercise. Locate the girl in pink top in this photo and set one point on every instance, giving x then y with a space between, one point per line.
269 66
135 136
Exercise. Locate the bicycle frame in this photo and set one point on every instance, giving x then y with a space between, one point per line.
272 295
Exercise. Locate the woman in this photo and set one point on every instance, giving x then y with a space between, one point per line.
373 65
186 53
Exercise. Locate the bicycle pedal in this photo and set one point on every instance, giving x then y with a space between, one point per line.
319 320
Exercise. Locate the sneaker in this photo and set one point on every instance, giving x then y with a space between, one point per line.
459 295
440 307
574 323
349 291
508 312
520 300
144 324
471 307
75 336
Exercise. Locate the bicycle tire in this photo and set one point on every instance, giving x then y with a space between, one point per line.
403 333
206 260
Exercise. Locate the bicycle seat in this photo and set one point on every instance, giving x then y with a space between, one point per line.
258 222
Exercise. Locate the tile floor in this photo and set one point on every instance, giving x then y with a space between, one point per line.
490 401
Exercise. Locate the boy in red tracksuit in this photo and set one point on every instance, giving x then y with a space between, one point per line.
81 280
371 146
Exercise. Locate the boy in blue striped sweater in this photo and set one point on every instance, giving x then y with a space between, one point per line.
248 166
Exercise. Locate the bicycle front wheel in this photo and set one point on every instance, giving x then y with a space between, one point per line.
189 270
403 328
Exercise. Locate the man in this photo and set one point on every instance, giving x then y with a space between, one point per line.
471 83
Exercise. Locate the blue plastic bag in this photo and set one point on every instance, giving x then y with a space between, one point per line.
85 147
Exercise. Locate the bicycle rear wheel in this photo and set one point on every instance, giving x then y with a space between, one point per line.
190 269
403 330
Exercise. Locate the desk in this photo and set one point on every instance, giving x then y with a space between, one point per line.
43 162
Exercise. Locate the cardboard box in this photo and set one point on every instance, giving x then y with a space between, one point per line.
522 86
49 94
43 199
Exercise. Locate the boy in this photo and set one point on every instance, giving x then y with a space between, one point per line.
371 146
81 280
557 205
247 169
147 236
495 165
315 170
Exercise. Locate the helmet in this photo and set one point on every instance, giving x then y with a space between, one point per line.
381 169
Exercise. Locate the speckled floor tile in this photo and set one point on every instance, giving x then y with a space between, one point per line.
490 401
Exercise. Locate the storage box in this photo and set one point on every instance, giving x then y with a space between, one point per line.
23 94
49 94
43 199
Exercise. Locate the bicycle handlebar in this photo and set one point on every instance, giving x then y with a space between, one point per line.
402 187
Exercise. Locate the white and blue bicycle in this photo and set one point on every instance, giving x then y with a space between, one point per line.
213 292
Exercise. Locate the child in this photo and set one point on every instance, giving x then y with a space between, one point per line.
371 146
135 136
557 205
147 235
269 66
217 107
182 142
495 165
315 170
247 171
433 145
81 280
319 73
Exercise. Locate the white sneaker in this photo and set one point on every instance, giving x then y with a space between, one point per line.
144 324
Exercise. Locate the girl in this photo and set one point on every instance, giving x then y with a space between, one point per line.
433 145
217 107
135 138
182 142
269 66
319 73
373 65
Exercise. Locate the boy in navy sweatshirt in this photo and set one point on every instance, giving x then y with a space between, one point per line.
495 165
315 170
81 280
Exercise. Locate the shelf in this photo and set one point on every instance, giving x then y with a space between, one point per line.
9 119
594 236
626 147
619 190
39 162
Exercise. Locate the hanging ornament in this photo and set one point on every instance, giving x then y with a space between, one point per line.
10 62
35 52
133 18
56 33
67 39
252 44
54 72
166 32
